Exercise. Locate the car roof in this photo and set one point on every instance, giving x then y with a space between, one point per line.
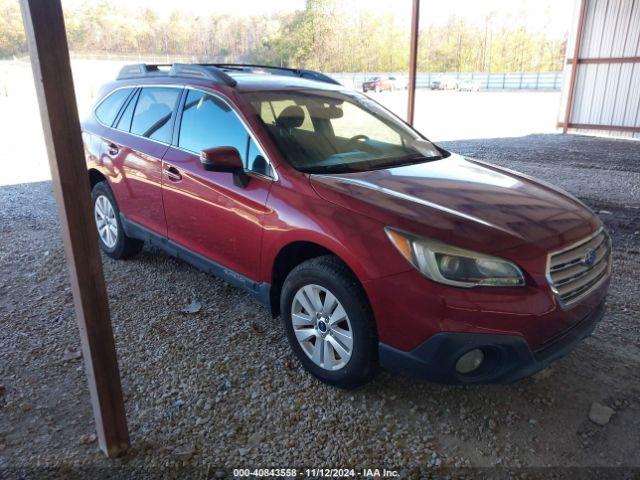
240 77
246 83
250 82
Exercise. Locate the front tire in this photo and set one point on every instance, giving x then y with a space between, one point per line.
113 241
329 323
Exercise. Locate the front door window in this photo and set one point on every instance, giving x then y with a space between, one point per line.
209 122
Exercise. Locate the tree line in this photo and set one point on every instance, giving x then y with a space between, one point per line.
327 35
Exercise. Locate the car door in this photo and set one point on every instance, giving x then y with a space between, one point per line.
137 141
206 212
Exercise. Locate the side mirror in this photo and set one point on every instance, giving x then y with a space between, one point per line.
221 159
225 159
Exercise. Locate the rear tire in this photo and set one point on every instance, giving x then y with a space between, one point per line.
113 241
336 342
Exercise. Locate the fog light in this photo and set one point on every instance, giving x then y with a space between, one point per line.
470 361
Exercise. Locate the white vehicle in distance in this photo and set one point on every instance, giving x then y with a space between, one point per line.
399 83
444 83
469 85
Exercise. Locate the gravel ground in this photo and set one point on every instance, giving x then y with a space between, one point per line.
219 388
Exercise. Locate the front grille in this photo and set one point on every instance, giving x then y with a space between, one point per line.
577 270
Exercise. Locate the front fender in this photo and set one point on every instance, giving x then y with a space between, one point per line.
359 241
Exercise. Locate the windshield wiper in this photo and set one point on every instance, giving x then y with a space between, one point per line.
336 168
406 160
369 165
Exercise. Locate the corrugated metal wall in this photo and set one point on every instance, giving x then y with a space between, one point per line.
606 84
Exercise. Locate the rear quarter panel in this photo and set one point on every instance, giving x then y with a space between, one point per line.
94 146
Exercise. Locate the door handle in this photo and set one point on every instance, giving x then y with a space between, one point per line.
173 174
113 149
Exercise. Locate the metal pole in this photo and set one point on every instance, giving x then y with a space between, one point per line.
574 66
413 60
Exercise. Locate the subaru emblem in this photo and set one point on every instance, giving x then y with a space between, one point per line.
589 257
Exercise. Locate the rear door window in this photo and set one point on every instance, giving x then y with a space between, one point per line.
111 105
124 123
154 113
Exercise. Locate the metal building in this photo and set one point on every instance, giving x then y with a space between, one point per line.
601 89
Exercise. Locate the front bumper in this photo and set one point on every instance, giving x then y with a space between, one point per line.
508 358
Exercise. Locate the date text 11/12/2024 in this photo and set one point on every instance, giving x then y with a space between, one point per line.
316 472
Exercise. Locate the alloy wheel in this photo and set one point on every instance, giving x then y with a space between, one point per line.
322 328
106 222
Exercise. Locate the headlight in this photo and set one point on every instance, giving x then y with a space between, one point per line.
455 266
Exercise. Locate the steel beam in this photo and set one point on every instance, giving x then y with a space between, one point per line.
574 63
584 61
413 60
593 126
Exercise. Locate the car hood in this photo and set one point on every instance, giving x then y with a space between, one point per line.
467 202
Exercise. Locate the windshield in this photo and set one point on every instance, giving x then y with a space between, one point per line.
322 131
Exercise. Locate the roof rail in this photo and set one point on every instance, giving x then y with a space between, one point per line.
296 72
210 72
141 70
201 70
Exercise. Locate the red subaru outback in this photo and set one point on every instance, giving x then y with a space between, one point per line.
375 246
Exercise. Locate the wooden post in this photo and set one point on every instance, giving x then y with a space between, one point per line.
574 66
413 60
47 41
